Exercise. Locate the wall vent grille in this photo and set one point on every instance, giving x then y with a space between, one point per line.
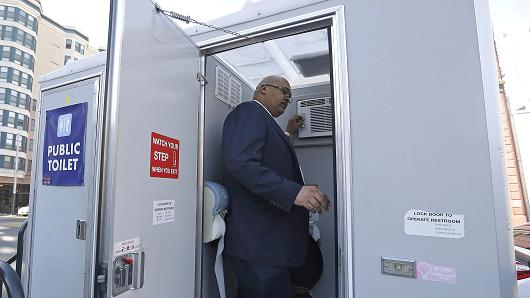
228 88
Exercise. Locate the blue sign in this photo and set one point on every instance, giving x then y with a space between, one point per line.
64 146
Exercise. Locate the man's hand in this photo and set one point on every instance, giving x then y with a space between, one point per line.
294 123
312 199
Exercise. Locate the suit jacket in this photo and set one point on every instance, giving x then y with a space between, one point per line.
263 178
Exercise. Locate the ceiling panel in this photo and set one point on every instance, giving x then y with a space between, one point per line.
275 57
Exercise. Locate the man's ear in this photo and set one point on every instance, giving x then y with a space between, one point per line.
262 89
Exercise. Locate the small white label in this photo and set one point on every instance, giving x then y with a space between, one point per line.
163 211
435 224
126 246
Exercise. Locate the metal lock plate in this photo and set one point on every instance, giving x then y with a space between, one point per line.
127 272
398 267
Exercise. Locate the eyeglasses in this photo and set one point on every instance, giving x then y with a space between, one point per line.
286 91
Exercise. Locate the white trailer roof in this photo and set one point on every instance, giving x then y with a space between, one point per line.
76 66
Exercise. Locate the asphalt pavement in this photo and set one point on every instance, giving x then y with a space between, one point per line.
9 226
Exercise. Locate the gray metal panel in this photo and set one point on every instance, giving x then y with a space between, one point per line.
215 114
419 93
420 140
153 88
56 254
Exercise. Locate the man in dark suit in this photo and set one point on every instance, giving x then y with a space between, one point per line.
267 227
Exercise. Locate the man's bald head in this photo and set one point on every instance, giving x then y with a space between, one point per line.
270 80
274 93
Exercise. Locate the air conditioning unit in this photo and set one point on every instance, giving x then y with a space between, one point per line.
318 117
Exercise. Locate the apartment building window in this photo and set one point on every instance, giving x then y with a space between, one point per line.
20 122
10 54
21 164
66 58
23 101
26 19
10 13
18 15
11 117
3 74
28 61
15 120
25 81
68 43
29 41
18 57
8 162
10 141
13 98
15 78
8 32
34 104
6 53
7 141
30 145
32 23
22 17
79 48
19 36
29 165
32 124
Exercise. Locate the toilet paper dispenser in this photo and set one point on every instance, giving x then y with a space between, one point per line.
214 210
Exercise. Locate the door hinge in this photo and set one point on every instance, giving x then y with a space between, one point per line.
202 79
340 260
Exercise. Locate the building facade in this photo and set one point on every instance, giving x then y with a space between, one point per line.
513 48
31 44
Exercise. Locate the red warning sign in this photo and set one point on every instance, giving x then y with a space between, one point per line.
164 156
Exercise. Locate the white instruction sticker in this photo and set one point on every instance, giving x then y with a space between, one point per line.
126 246
435 224
163 211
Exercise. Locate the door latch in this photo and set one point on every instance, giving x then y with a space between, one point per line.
80 229
128 272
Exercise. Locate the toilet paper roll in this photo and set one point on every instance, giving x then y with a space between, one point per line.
219 229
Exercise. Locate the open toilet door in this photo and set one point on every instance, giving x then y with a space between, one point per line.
149 219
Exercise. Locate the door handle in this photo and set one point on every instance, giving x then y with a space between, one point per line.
80 229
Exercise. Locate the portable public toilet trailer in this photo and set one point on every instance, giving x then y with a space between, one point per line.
62 231
417 163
